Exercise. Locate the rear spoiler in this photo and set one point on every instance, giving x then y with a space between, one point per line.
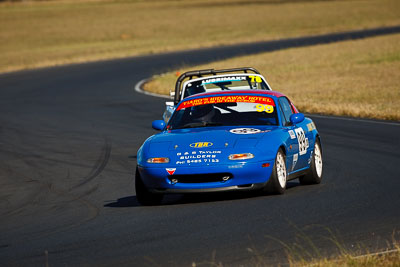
200 73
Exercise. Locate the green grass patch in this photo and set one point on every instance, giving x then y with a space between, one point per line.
46 33
353 78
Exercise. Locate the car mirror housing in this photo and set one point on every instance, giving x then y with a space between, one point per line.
296 118
158 125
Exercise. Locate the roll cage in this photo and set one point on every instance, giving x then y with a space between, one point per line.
189 75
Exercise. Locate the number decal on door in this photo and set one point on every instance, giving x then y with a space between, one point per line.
303 141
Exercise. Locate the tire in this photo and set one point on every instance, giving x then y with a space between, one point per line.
277 181
143 195
314 174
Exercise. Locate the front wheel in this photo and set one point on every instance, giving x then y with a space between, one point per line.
143 195
314 174
277 181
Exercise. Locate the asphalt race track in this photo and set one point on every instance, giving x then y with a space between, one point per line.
68 141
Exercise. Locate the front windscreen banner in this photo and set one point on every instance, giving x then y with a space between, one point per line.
235 110
227 99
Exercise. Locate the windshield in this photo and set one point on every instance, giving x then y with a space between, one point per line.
224 111
232 82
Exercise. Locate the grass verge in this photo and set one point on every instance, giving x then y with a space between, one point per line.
303 251
359 257
388 257
385 258
353 78
47 33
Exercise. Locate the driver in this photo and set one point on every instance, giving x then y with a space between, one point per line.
203 113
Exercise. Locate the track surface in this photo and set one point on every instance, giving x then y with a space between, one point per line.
68 140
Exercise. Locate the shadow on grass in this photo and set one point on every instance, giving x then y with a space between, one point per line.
179 199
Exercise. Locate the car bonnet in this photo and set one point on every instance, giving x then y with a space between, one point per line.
202 146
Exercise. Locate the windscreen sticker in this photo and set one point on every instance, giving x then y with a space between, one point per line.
227 99
195 157
303 141
247 131
266 108
223 79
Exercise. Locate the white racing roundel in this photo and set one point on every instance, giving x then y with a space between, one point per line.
245 131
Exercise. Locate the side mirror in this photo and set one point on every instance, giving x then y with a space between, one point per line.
296 118
158 125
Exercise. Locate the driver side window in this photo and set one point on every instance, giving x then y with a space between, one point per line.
286 109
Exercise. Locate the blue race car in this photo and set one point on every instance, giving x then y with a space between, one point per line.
229 140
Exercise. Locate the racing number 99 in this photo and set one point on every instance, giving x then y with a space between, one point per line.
266 108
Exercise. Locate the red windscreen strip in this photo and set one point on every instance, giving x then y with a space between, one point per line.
227 99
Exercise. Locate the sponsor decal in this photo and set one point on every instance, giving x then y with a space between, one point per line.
228 99
311 126
195 157
255 78
247 131
171 171
223 79
201 144
235 166
303 141
292 134
295 158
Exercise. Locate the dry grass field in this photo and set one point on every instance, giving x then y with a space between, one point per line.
389 258
353 78
47 33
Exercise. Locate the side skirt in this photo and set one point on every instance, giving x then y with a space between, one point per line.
297 174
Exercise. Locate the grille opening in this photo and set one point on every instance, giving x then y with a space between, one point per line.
201 178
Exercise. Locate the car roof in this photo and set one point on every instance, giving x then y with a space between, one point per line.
236 92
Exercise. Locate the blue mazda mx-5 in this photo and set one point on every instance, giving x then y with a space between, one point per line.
229 140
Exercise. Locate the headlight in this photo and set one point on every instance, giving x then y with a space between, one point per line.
241 156
158 160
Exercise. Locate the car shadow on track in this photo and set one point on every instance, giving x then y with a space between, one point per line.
224 196
124 202
178 199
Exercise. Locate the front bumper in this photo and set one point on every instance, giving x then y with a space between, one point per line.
243 176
